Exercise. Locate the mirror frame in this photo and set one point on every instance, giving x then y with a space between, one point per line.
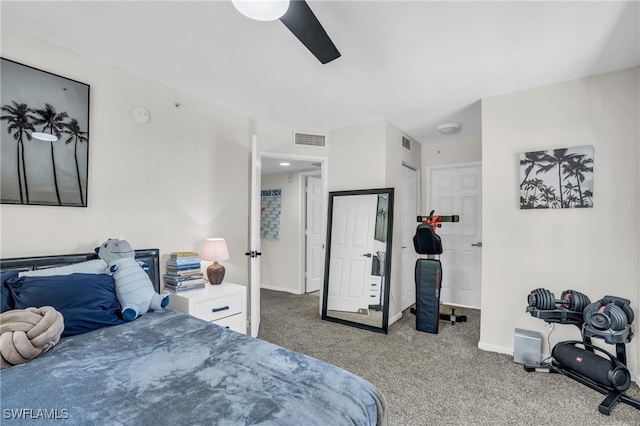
387 261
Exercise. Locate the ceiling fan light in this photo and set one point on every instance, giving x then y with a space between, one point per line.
262 10
449 128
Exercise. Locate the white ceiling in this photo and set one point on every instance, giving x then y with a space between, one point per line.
413 63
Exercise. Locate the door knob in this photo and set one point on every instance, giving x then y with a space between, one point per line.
367 255
478 244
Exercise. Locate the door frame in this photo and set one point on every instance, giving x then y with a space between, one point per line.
417 196
324 175
304 215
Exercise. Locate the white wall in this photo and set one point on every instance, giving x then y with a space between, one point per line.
595 251
280 260
167 184
451 149
274 138
358 156
396 156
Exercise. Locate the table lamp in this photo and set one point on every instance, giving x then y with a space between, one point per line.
215 249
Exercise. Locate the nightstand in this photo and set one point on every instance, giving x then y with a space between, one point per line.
223 304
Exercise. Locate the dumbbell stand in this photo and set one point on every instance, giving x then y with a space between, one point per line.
565 316
613 396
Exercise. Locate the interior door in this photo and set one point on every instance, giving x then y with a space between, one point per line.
314 236
408 227
458 190
254 239
352 236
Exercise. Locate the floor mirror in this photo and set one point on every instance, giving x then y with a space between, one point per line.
358 258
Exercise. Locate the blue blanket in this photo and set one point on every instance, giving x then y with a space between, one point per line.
168 368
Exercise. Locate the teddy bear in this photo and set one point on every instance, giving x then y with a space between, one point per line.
134 288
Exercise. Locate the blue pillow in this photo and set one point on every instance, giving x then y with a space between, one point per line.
86 301
5 294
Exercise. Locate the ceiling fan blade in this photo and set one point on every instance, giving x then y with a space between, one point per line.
305 26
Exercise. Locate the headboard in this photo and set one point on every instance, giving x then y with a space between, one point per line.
149 256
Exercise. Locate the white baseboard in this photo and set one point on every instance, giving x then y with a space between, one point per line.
395 318
495 348
275 288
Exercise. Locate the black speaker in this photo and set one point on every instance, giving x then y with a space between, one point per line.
607 372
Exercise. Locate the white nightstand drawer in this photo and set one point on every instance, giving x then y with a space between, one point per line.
233 322
212 310
223 304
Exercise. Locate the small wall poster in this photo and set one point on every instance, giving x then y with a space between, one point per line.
270 212
557 179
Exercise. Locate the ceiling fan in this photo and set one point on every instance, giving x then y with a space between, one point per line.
298 17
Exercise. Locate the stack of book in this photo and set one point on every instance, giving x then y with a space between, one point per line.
183 272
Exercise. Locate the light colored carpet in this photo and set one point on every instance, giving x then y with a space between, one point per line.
437 379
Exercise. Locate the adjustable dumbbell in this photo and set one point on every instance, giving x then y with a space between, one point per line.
572 300
609 313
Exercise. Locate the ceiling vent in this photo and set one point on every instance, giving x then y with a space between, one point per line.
308 139
406 142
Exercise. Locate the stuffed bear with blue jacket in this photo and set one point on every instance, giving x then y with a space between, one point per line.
134 288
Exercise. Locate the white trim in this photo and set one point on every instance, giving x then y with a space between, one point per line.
302 214
324 175
495 348
409 166
456 165
394 318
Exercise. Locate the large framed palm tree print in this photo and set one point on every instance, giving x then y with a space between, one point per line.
557 179
44 121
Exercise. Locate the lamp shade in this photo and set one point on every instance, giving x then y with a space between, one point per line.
215 249
262 10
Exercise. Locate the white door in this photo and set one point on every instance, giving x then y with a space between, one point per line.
409 224
254 239
458 190
352 232
314 236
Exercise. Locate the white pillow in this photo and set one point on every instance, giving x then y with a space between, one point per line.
96 266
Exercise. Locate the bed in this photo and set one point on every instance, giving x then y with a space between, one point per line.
167 367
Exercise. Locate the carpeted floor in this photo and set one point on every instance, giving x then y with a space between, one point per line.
437 379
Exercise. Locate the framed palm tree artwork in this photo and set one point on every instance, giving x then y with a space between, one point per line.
557 179
44 142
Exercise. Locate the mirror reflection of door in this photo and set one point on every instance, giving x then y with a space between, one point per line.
359 243
351 252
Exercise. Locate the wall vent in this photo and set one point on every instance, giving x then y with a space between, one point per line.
308 139
406 142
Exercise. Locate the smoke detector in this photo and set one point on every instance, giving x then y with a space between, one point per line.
449 128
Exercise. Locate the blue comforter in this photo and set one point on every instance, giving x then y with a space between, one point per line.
168 368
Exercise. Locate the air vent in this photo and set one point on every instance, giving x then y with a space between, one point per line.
406 142
309 139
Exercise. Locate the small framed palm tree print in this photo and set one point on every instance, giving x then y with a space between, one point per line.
44 124
557 179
